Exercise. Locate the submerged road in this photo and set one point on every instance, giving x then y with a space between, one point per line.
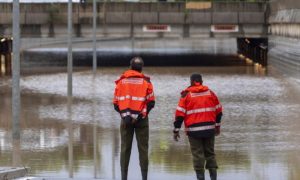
260 134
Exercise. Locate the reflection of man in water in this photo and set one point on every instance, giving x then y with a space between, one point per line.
133 99
201 112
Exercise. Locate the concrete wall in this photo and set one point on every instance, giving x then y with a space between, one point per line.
46 20
284 54
284 18
284 39
278 5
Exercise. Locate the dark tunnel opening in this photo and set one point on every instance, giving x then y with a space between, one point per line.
255 49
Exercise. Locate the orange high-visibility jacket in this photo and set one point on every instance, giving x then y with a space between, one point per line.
199 107
132 93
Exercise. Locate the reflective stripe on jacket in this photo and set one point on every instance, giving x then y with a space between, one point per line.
199 107
132 93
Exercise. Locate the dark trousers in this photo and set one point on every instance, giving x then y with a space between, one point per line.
203 152
141 129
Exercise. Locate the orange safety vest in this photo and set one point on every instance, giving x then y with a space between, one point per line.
199 107
132 93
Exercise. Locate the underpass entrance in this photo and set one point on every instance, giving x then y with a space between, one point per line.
255 49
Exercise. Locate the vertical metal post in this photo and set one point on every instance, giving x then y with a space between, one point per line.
16 71
132 34
70 57
94 36
16 102
70 86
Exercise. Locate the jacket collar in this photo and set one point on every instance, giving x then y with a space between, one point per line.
195 89
131 73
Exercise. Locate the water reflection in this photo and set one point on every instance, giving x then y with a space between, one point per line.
95 147
16 159
70 134
259 140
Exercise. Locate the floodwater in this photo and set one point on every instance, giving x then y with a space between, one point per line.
260 134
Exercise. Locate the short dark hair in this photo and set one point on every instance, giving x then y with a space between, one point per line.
196 77
137 64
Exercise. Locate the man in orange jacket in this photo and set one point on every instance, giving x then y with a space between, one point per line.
201 112
134 99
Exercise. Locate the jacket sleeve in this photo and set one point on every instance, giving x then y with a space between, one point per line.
150 93
150 98
180 112
115 99
218 107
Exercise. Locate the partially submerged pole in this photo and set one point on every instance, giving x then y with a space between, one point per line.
94 73
70 86
16 72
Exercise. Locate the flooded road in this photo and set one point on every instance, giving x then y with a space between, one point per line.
260 133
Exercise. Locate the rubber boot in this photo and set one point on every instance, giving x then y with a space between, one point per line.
124 175
200 175
213 174
144 175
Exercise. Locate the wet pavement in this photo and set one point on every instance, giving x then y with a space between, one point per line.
260 134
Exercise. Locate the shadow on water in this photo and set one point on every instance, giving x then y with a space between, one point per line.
83 141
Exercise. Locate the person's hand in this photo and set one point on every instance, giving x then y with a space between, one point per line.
176 135
217 130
